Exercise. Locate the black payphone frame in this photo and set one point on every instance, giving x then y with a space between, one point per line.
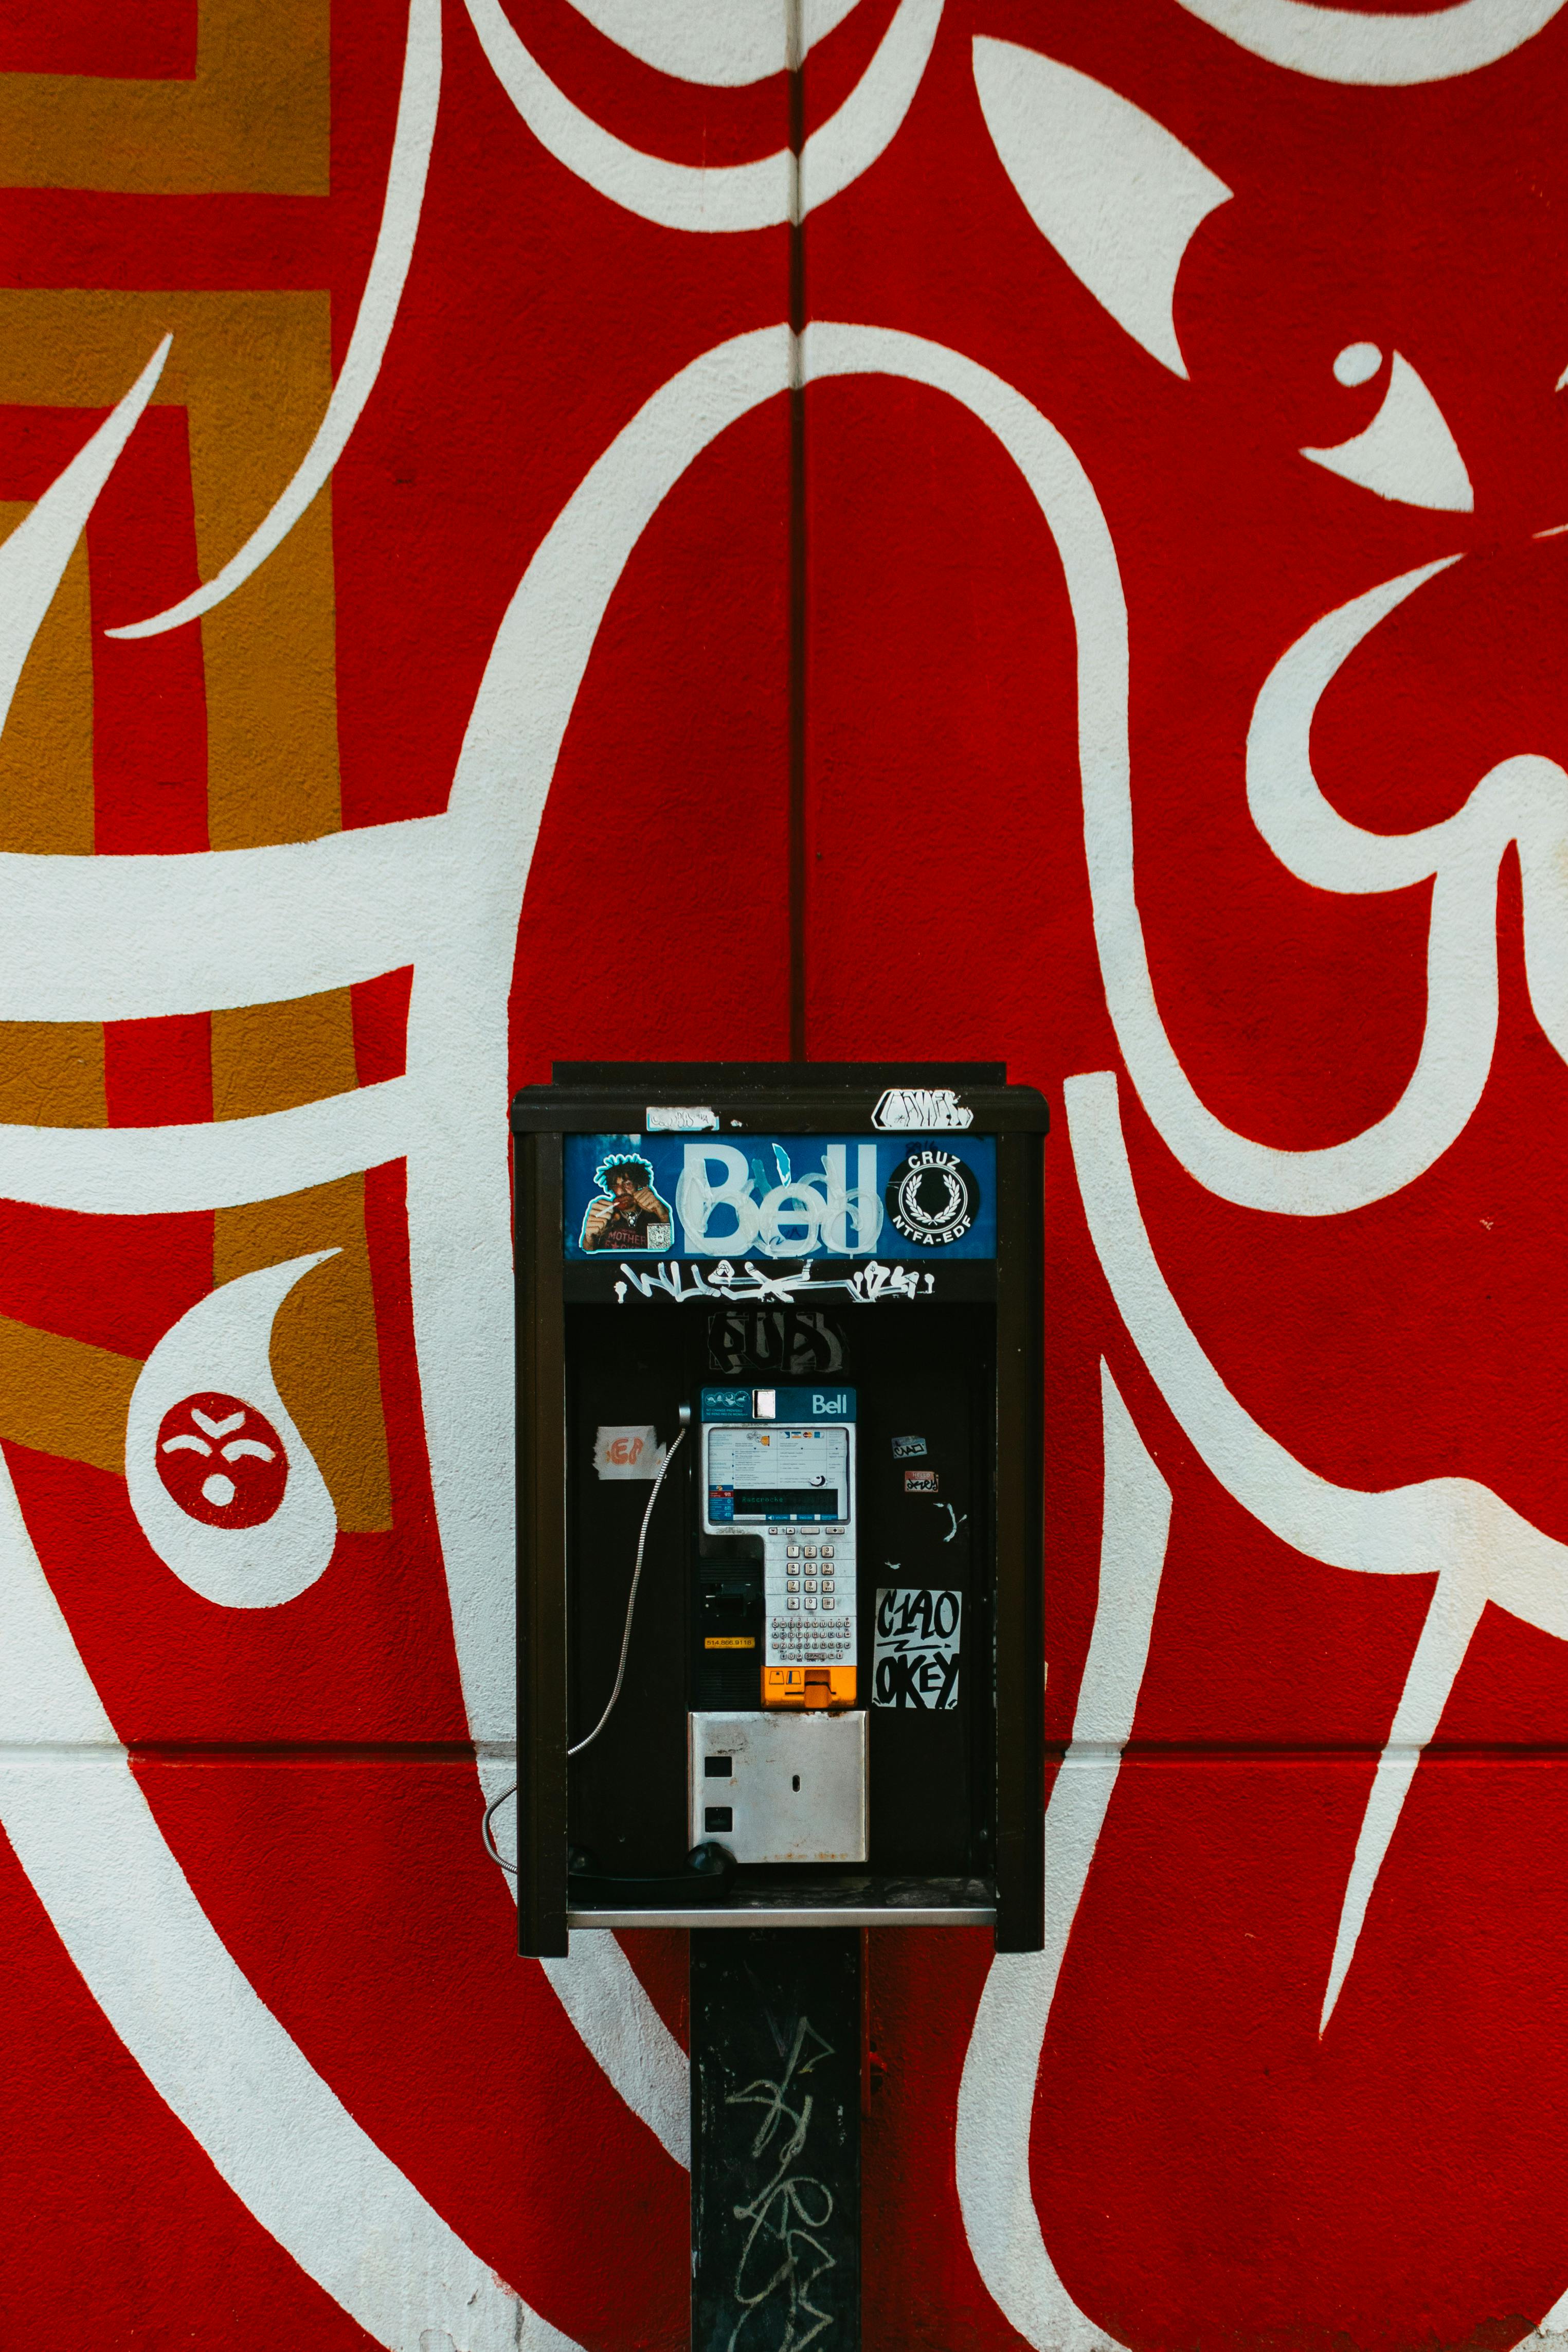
803 1098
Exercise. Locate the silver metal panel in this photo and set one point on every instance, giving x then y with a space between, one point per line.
792 1783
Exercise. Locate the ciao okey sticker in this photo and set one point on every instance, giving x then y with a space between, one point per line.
917 1644
933 1198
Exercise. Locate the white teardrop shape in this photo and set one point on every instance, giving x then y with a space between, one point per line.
222 1349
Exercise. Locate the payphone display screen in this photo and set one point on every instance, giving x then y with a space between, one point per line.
784 1503
785 1474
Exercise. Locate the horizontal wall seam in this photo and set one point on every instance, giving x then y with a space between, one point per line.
250 1752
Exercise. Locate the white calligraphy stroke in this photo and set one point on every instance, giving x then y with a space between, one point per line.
1111 190
724 44
319 915
111 938
1002 2068
728 197
604 1998
159 1171
445 894
33 558
1523 801
1120 198
1071 183
1387 51
1478 1550
286 2145
417 105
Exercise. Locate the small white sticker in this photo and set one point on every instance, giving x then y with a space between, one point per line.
679 1118
920 1109
905 1449
621 1453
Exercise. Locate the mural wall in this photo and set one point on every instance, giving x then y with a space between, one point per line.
429 555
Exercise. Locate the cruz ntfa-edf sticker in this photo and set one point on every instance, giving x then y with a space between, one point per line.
932 1198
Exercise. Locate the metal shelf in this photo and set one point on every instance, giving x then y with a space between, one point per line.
797 1902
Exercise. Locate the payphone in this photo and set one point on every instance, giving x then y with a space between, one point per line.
780 1331
780 1462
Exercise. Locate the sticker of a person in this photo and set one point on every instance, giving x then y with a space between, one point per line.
627 1214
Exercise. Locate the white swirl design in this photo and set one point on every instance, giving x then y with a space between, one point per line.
728 197
1385 51
1001 2067
213 2052
417 105
722 44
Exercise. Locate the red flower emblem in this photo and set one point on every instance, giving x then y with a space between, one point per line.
222 1461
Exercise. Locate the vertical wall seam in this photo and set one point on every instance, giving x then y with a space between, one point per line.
797 546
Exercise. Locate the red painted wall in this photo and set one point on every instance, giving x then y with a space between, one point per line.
1184 616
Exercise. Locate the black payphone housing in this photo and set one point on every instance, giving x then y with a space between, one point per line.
779 1355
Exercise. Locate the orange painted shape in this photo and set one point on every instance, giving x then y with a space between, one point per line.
254 119
324 1356
62 1396
272 1056
45 750
51 1074
254 372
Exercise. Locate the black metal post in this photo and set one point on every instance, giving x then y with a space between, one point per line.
776 2025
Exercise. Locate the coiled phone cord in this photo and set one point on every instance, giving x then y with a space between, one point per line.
630 1601
492 1809
491 1848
